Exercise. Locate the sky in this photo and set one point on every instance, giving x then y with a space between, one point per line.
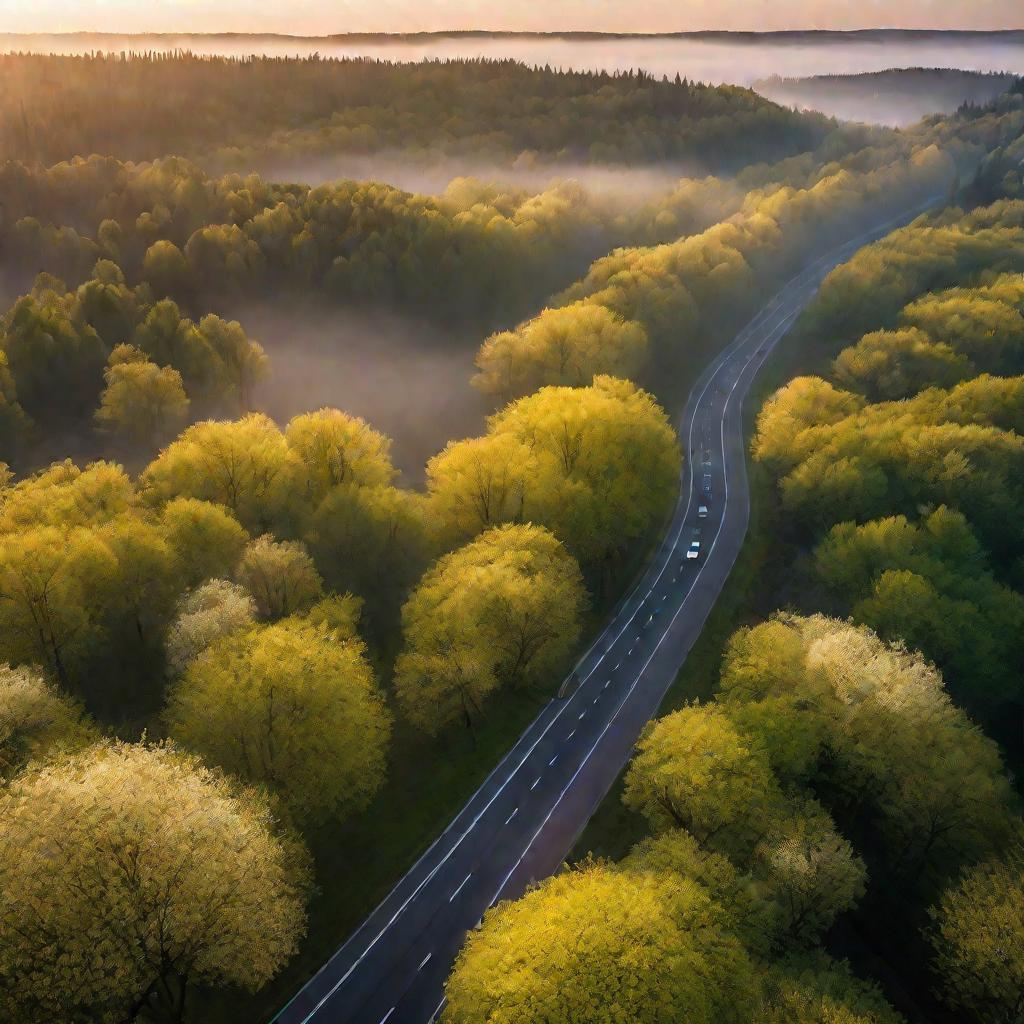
323 17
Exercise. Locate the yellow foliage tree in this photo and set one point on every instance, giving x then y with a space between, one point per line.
567 345
130 873
604 946
978 936
293 706
243 464
505 609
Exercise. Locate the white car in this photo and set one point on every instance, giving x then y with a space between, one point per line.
702 511
693 551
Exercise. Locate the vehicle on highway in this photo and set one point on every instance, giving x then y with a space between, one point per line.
706 489
693 551
702 511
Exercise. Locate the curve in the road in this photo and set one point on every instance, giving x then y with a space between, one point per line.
524 818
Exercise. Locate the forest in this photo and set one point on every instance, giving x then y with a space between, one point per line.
899 96
248 669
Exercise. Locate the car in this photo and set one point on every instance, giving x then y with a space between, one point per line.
693 551
706 489
702 511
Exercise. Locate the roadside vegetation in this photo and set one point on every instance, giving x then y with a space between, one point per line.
256 636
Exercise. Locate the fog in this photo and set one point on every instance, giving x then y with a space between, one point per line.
431 173
739 60
895 99
406 378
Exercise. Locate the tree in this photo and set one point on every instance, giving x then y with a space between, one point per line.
479 483
293 706
897 364
65 496
36 720
978 935
374 541
811 871
164 267
143 403
812 989
130 873
905 761
56 362
244 362
505 609
14 424
244 464
207 540
280 575
147 578
604 946
693 770
49 583
568 345
338 449
607 463
210 612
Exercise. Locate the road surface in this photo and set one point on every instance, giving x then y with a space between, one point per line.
524 819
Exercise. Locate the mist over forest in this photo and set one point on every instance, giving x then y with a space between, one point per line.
737 59
345 396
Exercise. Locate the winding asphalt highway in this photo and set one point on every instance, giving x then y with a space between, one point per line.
524 819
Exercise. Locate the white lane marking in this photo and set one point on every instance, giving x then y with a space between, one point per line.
536 783
607 684
553 760
570 736
686 486
512 815
440 1007
784 324
625 699
580 718
617 664
629 652
387 1015
597 698
424 961
461 884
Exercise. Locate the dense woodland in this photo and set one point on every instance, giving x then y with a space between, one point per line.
896 96
139 106
839 791
229 635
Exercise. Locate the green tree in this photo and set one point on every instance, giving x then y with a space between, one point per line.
693 770
568 345
811 871
243 464
607 463
978 935
505 609
130 873
479 483
142 404
812 989
207 540
338 449
293 706
374 541
49 583
280 575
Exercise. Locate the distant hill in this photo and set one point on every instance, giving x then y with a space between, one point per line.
898 96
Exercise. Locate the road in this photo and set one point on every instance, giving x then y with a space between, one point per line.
521 823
